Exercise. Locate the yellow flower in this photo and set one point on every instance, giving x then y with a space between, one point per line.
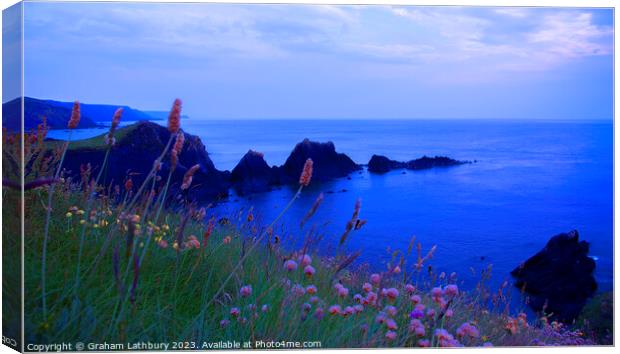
82 221
96 226
80 212
69 214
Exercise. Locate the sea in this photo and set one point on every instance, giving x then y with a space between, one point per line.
530 180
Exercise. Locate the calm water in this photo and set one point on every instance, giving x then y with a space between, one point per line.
532 181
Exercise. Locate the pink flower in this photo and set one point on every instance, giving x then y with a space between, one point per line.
416 299
306 307
348 311
334 309
371 298
417 327
298 290
246 291
305 260
235 312
341 290
430 313
318 313
449 313
390 310
358 308
467 330
375 278
381 318
390 335
309 271
367 287
311 289
391 324
265 308
224 323
410 289
162 243
357 298
424 343
451 290
314 300
290 265
392 293
436 293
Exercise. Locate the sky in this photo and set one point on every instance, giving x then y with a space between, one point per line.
228 61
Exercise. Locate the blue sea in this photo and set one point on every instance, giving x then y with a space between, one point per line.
531 180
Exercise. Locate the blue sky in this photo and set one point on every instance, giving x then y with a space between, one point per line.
301 61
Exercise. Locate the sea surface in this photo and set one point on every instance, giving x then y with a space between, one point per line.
531 180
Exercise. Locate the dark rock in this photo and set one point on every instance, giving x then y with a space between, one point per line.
560 277
328 163
382 164
252 174
137 147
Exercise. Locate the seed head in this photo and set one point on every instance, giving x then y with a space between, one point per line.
306 174
174 118
75 116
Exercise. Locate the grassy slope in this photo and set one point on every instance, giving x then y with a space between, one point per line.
174 293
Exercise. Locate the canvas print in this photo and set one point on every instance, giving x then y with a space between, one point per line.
202 176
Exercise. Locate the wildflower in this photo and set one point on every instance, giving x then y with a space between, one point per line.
313 299
467 330
357 298
375 279
417 313
371 298
358 308
75 116
381 318
430 313
306 174
162 243
348 311
318 313
417 327
264 308
178 142
391 324
451 290
367 287
69 214
227 240
415 299
298 290
396 270
410 289
449 313
390 310
341 290
290 265
309 271
174 118
189 175
246 291
424 343
436 293
334 309
235 312
306 307
311 289
305 260
224 323
391 293
390 335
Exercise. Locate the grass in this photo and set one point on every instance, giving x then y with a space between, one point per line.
151 271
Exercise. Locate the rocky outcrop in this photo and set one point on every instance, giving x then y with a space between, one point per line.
252 174
559 278
382 164
328 163
136 149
